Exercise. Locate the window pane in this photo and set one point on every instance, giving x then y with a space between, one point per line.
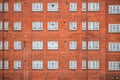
37 45
52 25
52 45
73 6
52 64
52 6
37 25
37 6
17 7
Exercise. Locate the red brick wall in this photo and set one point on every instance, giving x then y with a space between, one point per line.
63 35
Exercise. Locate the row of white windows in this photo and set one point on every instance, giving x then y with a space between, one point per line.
92 6
113 28
53 6
52 25
53 45
38 64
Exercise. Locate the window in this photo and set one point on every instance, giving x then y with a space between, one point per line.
17 45
17 25
37 25
114 9
83 25
73 6
17 64
17 7
93 64
114 28
37 64
37 45
37 6
5 25
114 46
114 65
73 65
93 25
52 45
93 6
0 64
52 6
0 7
84 6
0 25
73 25
52 25
93 45
83 64
6 64
84 45
52 64
5 7
1 46
73 45
6 45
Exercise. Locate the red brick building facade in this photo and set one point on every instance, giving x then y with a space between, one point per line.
95 36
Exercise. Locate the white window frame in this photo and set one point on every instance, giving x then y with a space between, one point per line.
73 25
17 25
37 64
6 25
84 45
93 25
73 6
114 9
6 45
1 7
114 65
52 45
114 46
51 8
83 25
83 64
36 7
37 45
1 45
17 6
53 65
73 45
1 25
83 6
93 6
52 25
37 25
0 64
17 45
93 64
6 6
114 28
93 45
6 64
72 64
17 64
